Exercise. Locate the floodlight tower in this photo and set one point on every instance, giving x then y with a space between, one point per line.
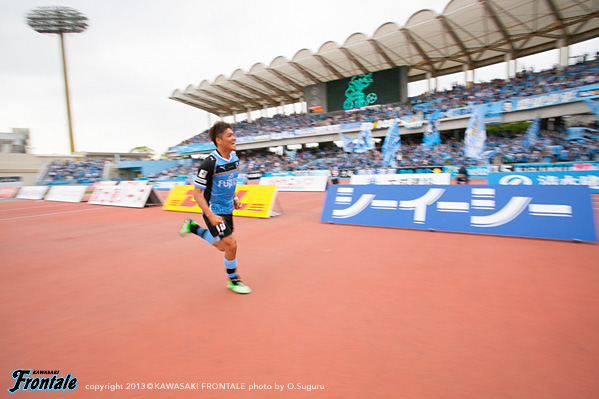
58 21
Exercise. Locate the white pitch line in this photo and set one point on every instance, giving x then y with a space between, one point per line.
50 214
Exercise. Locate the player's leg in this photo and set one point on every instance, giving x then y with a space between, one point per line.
192 227
224 241
229 244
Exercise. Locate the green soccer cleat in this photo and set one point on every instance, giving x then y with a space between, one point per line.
238 287
185 228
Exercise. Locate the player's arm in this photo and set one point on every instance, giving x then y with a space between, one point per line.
198 195
236 202
200 183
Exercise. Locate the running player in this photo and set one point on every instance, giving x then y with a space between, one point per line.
214 192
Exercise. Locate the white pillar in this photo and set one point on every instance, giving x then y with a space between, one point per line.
428 81
508 62
249 114
564 53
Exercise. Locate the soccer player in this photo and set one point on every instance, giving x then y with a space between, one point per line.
214 192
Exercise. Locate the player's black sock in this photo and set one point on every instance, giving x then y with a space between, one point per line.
231 266
200 231
193 227
232 272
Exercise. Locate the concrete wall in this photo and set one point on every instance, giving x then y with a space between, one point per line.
25 166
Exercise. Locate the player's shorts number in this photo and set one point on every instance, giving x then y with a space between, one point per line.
221 228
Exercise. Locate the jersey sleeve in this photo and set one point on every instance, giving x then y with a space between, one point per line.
205 173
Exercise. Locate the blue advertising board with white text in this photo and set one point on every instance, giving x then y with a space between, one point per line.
557 212
588 178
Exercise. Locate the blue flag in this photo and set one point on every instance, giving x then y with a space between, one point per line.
392 144
476 134
368 140
290 154
348 144
364 142
593 106
530 138
432 135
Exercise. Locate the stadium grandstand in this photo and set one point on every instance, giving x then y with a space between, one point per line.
466 36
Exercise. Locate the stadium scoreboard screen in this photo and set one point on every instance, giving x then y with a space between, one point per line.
316 98
375 88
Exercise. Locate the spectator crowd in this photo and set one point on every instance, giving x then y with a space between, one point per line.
503 147
74 171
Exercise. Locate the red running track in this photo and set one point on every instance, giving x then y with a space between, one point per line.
115 296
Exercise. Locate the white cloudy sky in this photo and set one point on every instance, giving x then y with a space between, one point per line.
135 53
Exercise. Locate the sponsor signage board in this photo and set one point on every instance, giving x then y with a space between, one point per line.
128 195
560 212
8 192
32 192
167 184
402 179
66 193
589 178
296 183
256 200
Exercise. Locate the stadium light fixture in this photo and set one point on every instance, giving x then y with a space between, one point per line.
59 21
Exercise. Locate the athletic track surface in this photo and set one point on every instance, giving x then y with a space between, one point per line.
115 296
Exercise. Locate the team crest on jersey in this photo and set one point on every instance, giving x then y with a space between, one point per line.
203 173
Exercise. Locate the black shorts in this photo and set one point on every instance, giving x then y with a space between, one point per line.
222 230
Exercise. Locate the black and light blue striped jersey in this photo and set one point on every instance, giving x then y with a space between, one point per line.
217 176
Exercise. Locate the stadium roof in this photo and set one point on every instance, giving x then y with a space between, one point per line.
471 33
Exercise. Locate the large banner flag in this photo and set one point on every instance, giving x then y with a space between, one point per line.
530 138
348 144
476 134
364 142
392 144
432 135
593 106
290 154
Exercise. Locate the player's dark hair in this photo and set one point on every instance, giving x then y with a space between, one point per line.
218 129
